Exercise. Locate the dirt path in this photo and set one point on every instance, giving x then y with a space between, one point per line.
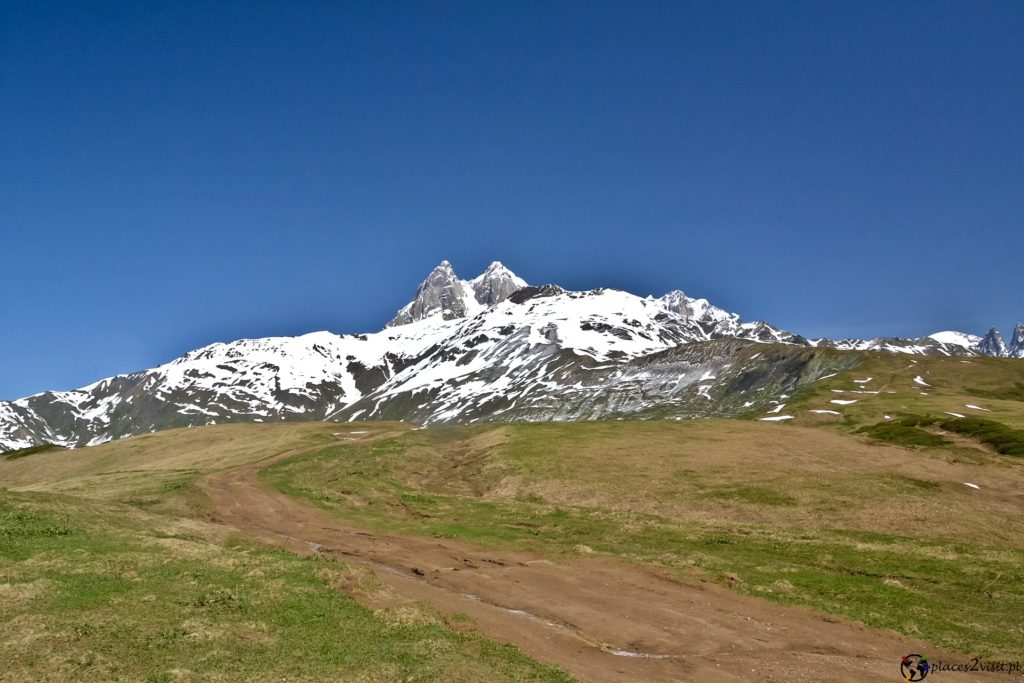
600 619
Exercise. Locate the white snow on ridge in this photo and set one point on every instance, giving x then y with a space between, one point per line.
485 360
968 341
246 376
907 347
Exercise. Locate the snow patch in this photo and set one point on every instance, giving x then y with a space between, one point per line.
953 338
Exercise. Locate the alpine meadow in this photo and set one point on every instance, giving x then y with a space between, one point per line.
741 401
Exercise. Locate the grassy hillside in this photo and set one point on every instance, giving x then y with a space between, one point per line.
31 450
154 464
887 535
865 513
97 590
922 385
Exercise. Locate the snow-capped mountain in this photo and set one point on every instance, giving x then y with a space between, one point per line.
490 348
947 343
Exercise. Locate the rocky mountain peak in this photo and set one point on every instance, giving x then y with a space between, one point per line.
700 310
1016 348
993 344
442 292
495 284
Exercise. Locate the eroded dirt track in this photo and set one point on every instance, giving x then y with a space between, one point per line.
598 618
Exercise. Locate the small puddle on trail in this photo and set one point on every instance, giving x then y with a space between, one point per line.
638 655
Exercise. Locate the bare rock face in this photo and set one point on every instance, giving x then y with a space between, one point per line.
993 344
495 284
442 292
1016 348
700 310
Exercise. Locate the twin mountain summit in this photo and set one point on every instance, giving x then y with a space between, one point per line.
493 348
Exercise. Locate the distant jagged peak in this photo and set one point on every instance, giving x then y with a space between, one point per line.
441 293
495 284
497 269
444 294
993 344
1016 347
700 310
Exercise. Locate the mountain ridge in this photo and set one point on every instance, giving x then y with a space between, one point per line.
489 348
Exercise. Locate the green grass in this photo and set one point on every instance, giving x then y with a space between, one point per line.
902 434
849 526
954 593
17 525
31 450
952 383
758 495
1003 439
907 431
102 592
1011 393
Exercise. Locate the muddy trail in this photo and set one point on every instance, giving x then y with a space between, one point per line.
598 618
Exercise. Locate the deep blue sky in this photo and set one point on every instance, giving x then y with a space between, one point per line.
173 174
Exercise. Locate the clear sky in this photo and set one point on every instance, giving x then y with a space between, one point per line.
173 174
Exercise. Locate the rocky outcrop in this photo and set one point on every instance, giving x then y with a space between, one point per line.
495 284
445 294
700 310
992 344
441 293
